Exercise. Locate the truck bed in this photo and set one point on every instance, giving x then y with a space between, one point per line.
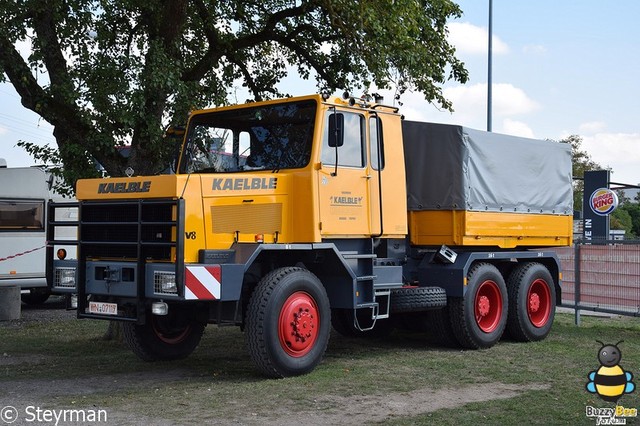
502 230
467 187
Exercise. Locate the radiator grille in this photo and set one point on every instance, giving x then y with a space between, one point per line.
247 218
128 229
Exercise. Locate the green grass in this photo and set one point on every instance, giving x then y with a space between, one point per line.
219 381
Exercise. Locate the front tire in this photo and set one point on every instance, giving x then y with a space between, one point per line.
288 322
479 318
163 338
532 297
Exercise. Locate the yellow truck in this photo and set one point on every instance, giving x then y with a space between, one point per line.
286 217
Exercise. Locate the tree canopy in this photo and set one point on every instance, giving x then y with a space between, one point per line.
109 73
581 162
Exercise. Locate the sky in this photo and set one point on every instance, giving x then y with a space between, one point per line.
560 68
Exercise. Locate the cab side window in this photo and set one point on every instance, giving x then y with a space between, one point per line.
351 152
375 132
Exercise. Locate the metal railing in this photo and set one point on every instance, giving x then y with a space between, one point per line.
601 276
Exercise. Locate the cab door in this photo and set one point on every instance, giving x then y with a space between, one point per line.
388 194
343 178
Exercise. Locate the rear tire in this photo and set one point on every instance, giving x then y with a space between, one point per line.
288 322
163 338
532 299
480 317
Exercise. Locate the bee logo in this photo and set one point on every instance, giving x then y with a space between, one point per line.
610 381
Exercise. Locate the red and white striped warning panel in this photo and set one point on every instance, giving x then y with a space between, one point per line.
202 283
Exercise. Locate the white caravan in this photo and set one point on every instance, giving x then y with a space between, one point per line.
24 195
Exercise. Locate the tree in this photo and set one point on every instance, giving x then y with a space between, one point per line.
621 219
622 197
581 162
634 211
106 73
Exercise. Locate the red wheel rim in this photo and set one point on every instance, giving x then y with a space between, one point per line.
298 324
539 303
170 337
488 306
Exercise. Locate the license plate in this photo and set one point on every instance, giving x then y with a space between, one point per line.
103 308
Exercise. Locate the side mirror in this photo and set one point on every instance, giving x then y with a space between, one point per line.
336 130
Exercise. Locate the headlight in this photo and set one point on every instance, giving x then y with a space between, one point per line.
164 283
65 277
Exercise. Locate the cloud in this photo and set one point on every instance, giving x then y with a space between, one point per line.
471 39
507 99
620 151
536 49
516 128
592 127
470 105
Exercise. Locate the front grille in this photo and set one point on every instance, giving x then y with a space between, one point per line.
109 212
141 229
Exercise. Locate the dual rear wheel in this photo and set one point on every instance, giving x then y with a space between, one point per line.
524 306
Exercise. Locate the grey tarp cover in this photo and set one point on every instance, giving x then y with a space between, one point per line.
456 168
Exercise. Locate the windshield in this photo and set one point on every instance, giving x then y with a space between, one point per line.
271 137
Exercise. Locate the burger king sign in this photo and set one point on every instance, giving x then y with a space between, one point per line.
603 201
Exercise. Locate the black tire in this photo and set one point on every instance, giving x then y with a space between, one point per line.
288 322
440 328
417 299
162 338
343 322
36 296
480 317
532 300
